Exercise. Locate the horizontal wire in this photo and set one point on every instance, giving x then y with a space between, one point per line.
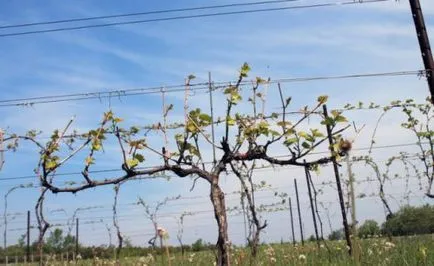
62 21
189 17
30 101
135 206
153 177
92 220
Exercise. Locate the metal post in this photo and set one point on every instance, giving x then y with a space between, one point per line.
425 48
28 236
299 212
338 182
292 221
306 171
76 238
212 116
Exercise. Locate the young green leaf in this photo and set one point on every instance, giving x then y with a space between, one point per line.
322 99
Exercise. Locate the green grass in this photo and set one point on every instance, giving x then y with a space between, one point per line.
377 251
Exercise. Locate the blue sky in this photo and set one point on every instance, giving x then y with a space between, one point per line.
294 43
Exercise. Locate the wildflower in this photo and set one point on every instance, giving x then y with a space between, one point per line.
321 246
370 252
191 257
302 257
423 251
161 232
389 244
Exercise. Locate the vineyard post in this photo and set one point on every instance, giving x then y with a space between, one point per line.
76 237
299 212
353 209
306 171
28 237
292 221
338 181
244 218
212 117
425 49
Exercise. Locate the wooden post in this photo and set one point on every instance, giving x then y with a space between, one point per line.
312 207
424 45
76 237
212 117
28 236
292 222
299 212
356 252
338 181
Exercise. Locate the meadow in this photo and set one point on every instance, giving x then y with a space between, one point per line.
413 250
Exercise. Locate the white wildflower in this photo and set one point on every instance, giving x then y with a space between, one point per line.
302 257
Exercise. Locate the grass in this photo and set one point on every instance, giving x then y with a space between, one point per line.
376 251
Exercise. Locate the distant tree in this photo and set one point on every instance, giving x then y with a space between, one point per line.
55 241
127 242
410 221
198 245
58 243
311 238
336 235
369 228
69 242
21 240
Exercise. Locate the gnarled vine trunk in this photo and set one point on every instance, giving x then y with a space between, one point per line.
223 245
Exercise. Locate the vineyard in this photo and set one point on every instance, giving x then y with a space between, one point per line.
242 170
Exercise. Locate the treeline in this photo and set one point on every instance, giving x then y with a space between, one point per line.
407 221
64 245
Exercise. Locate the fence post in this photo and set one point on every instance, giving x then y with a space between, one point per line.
28 236
299 212
338 181
76 238
292 222
306 171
